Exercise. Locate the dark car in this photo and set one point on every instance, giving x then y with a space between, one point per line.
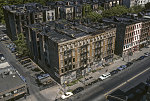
120 68
13 50
123 66
113 72
129 64
77 90
141 58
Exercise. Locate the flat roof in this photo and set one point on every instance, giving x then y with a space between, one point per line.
9 78
10 81
26 8
126 19
63 30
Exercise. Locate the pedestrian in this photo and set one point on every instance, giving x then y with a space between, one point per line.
106 70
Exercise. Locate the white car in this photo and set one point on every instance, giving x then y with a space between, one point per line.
105 76
146 54
2 58
66 95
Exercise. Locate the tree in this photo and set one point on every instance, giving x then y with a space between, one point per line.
115 11
136 9
147 6
86 9
21 45
94 16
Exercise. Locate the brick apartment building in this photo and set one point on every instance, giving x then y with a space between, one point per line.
68 50
145 33
131 35
17 16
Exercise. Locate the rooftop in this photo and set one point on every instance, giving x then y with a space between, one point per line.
63 30
26 8
9 78
10 82
127 19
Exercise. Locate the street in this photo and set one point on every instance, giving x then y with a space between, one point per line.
98 91
33 89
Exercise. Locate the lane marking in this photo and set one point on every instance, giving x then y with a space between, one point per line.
125 82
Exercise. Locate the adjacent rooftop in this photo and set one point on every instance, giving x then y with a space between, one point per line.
26 8
9 78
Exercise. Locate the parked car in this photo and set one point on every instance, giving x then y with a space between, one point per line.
141 58
104 76
146 54
9 45
13 50
120 68
77 90
113 72
2 58
129 64
66 95
4 38
123 66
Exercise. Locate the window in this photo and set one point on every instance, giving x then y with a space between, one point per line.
61 64
130 34
35 16
73 66
73 53
73 59
60 49
70 67
62 70
65 69
65 62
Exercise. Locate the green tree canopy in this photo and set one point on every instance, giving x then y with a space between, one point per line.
136 9
115 11
147 6
21 45
86 9
94 16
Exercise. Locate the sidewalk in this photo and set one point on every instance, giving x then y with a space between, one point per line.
55 92
109 68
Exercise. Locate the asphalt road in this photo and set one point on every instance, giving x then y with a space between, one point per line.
33 88
97 91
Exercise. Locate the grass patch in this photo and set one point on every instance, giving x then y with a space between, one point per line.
72 83
93 71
